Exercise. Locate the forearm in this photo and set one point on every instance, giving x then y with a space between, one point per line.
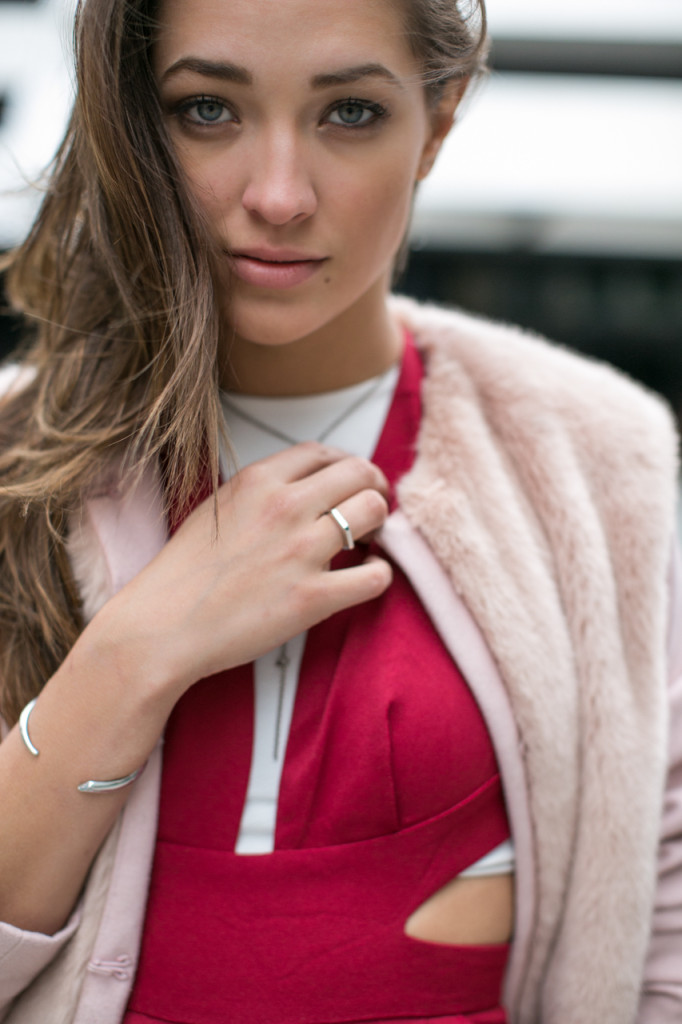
97 718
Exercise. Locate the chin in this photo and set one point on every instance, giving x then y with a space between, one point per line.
273 335
277 326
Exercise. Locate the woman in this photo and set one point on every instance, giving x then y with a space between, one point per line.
486 664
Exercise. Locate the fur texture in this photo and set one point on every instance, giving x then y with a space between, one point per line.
546 486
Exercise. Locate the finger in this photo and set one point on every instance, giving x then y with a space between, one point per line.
364 513
292 464
336 483
345 588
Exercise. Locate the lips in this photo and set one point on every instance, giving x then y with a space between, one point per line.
275 268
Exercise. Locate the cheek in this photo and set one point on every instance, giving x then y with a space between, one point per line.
386 190
381 212
206 180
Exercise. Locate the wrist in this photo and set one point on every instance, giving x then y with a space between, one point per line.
132 655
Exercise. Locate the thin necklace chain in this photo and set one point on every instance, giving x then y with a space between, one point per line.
281 436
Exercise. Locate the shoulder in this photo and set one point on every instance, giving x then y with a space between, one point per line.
515 376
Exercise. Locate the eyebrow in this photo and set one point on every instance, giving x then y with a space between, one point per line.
345 76
229 72
210 69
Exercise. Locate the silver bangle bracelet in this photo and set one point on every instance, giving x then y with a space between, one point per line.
107 786
23 727
92 785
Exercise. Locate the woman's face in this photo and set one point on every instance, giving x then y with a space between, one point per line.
302 128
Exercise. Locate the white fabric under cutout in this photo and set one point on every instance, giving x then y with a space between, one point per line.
500 861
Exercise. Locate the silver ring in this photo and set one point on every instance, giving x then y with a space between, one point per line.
344 526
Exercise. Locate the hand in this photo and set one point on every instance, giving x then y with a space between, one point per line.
211 600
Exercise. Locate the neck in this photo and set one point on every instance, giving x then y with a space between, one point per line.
362 342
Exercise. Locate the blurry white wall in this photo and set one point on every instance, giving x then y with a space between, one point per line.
587 19
571 163
36 92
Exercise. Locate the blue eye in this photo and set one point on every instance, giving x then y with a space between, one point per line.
355 113
209 110
206 111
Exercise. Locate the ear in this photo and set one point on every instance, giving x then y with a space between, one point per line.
441 116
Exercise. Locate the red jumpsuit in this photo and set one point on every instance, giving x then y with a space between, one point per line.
390 788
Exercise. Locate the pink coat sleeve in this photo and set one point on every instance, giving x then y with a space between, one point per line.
662 989
23 955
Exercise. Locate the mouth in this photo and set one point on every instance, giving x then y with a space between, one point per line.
279 269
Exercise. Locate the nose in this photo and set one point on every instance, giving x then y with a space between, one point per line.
280 189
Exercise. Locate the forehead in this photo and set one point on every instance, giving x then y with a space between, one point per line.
254 33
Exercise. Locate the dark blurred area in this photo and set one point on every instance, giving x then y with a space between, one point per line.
624 310
10 326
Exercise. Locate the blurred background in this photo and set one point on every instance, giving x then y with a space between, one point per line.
557 202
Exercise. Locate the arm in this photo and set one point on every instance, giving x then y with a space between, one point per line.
101 714
662 989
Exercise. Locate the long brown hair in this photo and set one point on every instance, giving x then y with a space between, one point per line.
116 282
